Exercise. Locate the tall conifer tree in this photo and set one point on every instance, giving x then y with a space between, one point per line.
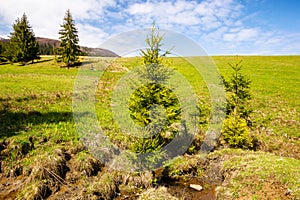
147 97
69 49
22 46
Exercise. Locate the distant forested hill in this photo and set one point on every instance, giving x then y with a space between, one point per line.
48 46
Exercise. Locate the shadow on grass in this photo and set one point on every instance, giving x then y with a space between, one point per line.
43 60
29 63
13 122
4 63
86 62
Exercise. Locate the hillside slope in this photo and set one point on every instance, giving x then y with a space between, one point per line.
47 46
42 156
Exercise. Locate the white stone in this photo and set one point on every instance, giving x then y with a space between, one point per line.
196 187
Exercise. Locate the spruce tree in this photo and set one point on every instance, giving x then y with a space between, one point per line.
144 101
69 49
235 129
22 46
238 92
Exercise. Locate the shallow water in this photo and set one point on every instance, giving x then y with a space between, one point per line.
181 189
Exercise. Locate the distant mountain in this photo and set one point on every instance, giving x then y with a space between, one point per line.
3 40
44 41
48 45
98 52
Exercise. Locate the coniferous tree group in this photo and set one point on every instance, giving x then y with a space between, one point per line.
22 46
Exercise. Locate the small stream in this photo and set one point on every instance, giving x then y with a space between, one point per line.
180 187
182 190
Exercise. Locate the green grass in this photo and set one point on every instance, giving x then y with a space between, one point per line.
248 170
275 88
47 89
36 104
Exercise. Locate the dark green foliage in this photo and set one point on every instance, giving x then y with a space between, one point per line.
235 128
152 54
9 53
238 92
154 70
144 110
153 105
69 49
47 49
149 95
22 46
147 145
2 50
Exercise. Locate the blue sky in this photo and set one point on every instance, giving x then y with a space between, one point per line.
220 27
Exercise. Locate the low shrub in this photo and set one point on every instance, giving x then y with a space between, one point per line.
236 132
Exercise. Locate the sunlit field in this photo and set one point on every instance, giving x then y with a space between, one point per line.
38 134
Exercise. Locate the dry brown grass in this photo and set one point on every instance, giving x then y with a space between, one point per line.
86 164
35 190
49 167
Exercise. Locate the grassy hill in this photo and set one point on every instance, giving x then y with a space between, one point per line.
41 155
47 46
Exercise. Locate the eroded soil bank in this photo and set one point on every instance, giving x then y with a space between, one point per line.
223 174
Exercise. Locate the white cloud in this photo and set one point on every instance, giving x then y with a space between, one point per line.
145 8
247 34
90 36
221 26
215 35
208 14
241 35
45 17
229 37
219 8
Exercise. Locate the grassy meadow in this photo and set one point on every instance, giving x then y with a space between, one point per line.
39 145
